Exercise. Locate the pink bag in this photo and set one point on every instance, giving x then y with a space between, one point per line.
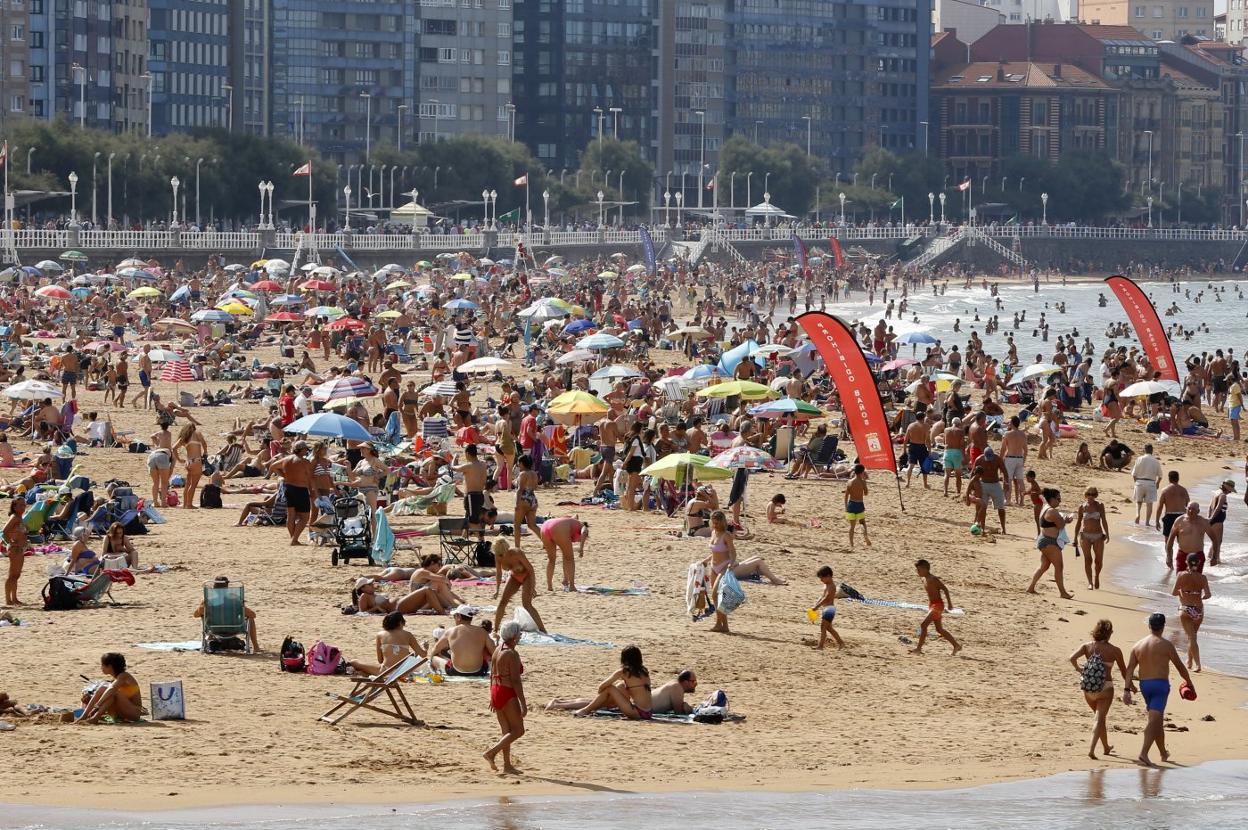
324 659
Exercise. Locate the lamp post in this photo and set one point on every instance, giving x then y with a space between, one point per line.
1179 216
229 106
346 191
415 195
701 114
80 75
494 203
268 190
1044 209
436 104
1004 179
615 122
600 209
924 125
1239 187
1150 210
1149 133
748 202
809 121
393 168
942 208
757 124
767 200
299 121
399 134
732 191
148 77
173 182
598 112
873 175
767 181
680 203
261 189
368 125
198 162
73 199
110 189
485 206
94 216
667 208
511 122
841 196
381 187
931 208
436 169
546 210
1021 179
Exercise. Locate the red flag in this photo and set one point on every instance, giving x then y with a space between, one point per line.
860 399
306 170
966 185
711 184
522 181
835 245
1148 326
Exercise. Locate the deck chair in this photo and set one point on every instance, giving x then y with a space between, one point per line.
400 353
453 542
369 689
826 455
276 517
224 616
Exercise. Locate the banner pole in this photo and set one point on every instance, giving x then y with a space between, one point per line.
900 500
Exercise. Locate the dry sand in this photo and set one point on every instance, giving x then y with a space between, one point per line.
868 716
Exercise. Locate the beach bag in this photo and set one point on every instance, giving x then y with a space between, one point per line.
61 593
1092 678
167 702
731 596
210 497
483 555
324 659
292 659
171 498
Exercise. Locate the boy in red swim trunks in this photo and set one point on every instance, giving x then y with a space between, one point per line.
936 606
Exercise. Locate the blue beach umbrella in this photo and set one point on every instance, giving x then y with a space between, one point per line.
329 425
212 315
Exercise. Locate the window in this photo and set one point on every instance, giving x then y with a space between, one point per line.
1157 34
504 57
447 54
36 40
504 29
1139 11
504 4
1201 11
1182 11
36 74
18 32
17 103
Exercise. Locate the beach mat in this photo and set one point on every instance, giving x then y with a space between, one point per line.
186 645
665 717
608 591
536 638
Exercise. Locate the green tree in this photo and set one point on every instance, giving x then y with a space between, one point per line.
785 171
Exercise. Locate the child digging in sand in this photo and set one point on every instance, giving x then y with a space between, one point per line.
827 602
936 606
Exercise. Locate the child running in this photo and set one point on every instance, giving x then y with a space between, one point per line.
828 603
936 606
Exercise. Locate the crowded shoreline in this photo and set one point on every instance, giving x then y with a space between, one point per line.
764 669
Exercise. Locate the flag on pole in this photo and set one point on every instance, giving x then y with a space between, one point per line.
306 170
510 216
522 181
4 154
896 204
711 184
966 185
799 248
647 247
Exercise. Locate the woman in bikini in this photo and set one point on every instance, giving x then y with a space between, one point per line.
526 497
627 690
160 463
1112 405
1093 524
322 477
1037 500
1217 520
116 543
558 534
1099 700
192 440
507 695
81 559
121 699
430 575
367 475
1192 588
1052 522
408 402
16 540
520 578
365 598
394 644
723 556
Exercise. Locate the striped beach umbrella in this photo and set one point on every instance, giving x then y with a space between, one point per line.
177 371
445 388
348 323
53 292
744 458
332 390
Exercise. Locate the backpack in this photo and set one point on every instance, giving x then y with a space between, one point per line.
483 555
292 657
1092 678
61 593
324 659
210 497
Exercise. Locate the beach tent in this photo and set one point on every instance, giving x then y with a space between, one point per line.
728 360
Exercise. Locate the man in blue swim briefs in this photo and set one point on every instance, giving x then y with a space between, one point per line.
1153 656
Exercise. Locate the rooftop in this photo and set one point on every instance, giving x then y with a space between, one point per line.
993 75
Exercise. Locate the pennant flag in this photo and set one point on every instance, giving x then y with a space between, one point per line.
306 170
647 247
1148 326
799 250
522 181
966 185
860 398
835 245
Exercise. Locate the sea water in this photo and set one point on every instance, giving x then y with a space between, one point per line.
1211 796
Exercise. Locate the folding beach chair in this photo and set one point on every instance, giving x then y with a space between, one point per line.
225 616
400 353
453 542
369 689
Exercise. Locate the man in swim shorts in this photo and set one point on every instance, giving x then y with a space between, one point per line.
918 438
464 649
1171 503
1153 656
1014 455
991 471
1188 533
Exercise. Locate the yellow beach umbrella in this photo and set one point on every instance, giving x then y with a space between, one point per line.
143 293
398 284
388 314
746 389
576 407
677 465
236 309
462 277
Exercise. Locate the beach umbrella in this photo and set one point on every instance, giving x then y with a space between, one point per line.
1035 370
746 389
135 273
575 356
801 410
287 299
678 465
234 268
462 276
307 267
744 458
31 390
701 372
131 262
174 323
181 295
1145 388
276 265
398 284
695 332
284 317
348 323
50 265
578 326
445 388
458 304
329 425
325 311
212 315
111 345
177 371
899 363
485 365
607 275
73 256
676 388
53 292
770 349
600 341
544 309
316 285
575 407
236 308
343 387
615 371
636 269
326 271
388 314
557 272
266 285
144 293
82 292
915 337
159 355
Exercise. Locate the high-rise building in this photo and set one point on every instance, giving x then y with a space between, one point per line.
15 61
1158 19
188 62
574 57
249 89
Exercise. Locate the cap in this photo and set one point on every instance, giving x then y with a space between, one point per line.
361 582
465 611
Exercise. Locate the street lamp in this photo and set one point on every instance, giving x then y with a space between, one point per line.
494 202
198 162
598 112
346 191
82 94
1021 179
701 114
809 121
261 189
621 198
924 124
767 181
94 216
173 182
73 199
1150 210
148 77
1004 179
600 209
931 208
667 208
393 168
748 202
485 206
732 191
110 189
436 103
1149 133
228 89
401 108
615 122
368 125
546 210
1044 209
680 203
841 196
873 175
942 208
511 121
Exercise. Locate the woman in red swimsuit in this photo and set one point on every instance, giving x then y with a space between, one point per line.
507 696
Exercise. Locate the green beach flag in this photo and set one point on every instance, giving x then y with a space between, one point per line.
897 203
510 216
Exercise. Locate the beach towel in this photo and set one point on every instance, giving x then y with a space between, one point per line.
697 603
606 590
536 638
383 539
186 645
472 583
669 717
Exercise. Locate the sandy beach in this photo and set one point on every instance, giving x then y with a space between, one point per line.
871 715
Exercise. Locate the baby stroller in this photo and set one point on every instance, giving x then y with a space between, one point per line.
353 530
